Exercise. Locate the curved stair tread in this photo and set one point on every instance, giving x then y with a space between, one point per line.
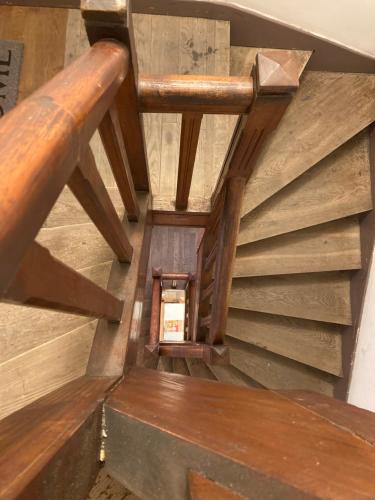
230 375
339 186
310 342
197 368
327 110
333 246
39 371
317 296
277 372
68 211
18 324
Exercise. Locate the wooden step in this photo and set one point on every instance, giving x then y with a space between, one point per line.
316 296
165 364
179 366
337 187
333 246
198 368
277 372
230 375
328 109
309 342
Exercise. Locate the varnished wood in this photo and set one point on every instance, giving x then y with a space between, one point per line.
113 20
165 218
225 259
62 115
151 410
59 4
275 79
202 488
155 310
186 350
111 135
89 189
195 94
63 461
190 127
175 276
43 281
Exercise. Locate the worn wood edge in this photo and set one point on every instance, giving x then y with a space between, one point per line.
41 465
110 345
203 488
358 282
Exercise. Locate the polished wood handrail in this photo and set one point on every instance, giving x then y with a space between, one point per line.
195 94
41 141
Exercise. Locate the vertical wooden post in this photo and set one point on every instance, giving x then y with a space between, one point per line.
190 127
225 258
113 20
153 343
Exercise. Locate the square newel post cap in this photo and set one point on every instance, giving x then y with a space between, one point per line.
276 72
105 10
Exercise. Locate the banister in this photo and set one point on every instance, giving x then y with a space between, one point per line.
41 142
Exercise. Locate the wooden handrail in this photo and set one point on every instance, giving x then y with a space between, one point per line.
41 141
195 94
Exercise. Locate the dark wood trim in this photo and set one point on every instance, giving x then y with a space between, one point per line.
50 448
359 282
43 281
175 276
187 219
58 4
155 309
250 29
195 94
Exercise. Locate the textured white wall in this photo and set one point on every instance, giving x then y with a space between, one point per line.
362 385
347 22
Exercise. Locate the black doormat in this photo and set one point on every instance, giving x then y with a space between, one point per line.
10 68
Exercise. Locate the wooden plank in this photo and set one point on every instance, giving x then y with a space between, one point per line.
126 281
356 420
89 189
25 328
339 186
202 488
201 94
155 309
225 258
190 128
230 375
194 219
317 122
277 372
63 461
45 368
153 419
197 368
333 246
316 296
43 56
115 21
43 281
110 133
64 113
309 342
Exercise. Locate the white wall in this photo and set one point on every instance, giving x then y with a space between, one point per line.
347 22
362 385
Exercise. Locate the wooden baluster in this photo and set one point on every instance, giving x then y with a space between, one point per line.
110 133
88 187
192 306
44 281
153 344
113 20
190 127
276 79
225 258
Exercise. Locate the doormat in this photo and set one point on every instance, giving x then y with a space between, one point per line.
10 68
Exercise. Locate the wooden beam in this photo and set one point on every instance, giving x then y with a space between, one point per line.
190 128
113 20
175 276
50 448
225 258
187 219
88 187
200 94
155 308
43 281
61 118
165 423
111 135
275 78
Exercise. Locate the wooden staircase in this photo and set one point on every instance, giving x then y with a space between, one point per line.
283 197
